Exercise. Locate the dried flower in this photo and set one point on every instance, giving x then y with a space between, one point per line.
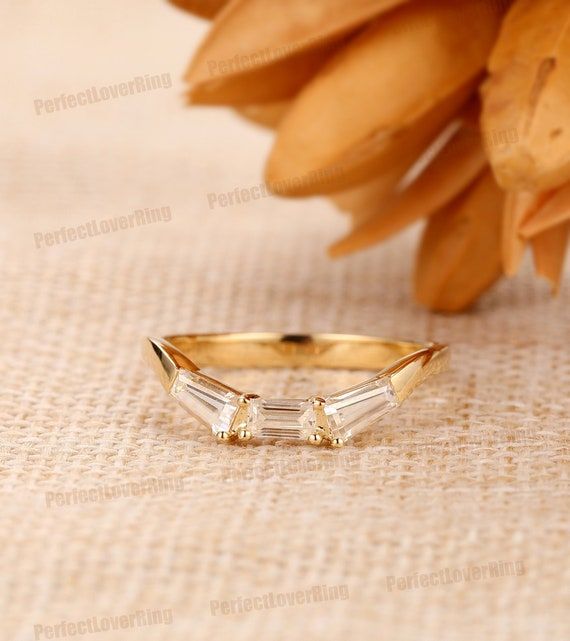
376 105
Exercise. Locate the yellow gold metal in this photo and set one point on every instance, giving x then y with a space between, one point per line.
334 351
322 423
239 421
406 364
165 360
315 439
244 434
410 371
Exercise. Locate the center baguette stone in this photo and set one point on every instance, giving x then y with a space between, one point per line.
289 419
346 413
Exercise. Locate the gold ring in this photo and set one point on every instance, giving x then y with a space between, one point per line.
334 419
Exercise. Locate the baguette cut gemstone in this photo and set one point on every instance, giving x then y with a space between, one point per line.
210 402
353 410
347 412
289 419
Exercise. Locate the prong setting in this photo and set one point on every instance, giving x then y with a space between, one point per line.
322 432
336 419
239 424
244 434
315 439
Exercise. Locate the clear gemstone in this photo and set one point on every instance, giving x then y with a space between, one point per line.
282 419
210 402
352 410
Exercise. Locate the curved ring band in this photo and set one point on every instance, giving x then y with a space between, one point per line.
178 360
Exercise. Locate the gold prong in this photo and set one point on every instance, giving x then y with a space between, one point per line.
315 439
239 422
243 434
321 420
244 399
404 365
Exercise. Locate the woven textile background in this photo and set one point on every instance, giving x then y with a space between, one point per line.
472 471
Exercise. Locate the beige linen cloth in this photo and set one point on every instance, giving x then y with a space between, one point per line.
470 476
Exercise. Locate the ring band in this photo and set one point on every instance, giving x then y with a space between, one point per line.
334 419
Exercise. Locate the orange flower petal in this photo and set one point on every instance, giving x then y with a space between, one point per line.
361 107
202 8
554 211
265 50
549 250
519 206
451 172
526 99
460 254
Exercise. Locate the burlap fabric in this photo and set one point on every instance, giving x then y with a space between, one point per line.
470 476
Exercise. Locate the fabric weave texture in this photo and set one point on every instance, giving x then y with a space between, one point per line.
471 471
